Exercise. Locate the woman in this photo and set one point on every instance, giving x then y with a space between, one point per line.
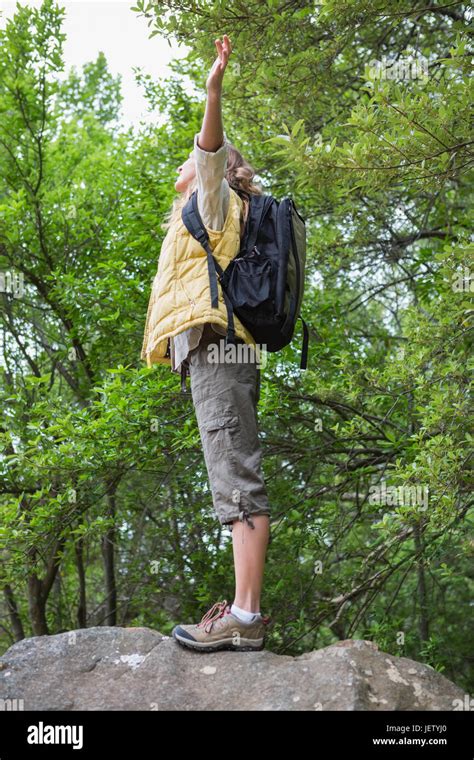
181 329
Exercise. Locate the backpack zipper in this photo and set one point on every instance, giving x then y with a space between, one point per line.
297 263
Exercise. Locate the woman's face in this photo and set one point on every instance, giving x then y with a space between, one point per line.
187 172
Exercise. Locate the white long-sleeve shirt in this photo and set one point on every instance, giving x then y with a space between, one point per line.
213 204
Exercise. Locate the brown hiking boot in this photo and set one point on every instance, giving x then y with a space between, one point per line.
220 629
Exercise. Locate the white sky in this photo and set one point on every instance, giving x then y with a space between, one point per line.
121 34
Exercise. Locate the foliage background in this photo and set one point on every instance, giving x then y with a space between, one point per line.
106 516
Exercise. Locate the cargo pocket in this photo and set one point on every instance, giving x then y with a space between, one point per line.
223 430
221 442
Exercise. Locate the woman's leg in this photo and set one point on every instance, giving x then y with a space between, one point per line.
249 560
225 396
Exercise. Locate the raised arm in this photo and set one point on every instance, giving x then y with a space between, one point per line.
211 136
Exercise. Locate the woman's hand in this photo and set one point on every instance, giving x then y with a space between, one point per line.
216 75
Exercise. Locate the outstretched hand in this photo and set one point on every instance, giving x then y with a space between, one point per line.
216 75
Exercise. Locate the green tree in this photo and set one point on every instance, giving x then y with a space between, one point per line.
360 112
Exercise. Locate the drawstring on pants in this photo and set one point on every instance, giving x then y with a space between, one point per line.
243 515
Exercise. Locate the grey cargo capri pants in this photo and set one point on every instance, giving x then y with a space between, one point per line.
225 396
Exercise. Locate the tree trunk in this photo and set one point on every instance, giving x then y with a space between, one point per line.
108 546
39 589
37 606
13 614
82 606
423 624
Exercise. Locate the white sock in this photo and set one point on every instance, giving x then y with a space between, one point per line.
244 615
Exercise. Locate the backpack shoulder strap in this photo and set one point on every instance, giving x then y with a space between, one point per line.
258 205
193 222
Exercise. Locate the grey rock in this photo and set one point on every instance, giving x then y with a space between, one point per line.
108 668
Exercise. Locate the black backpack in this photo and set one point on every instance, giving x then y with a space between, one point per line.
264 283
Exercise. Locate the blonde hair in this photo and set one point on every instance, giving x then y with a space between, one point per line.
239 174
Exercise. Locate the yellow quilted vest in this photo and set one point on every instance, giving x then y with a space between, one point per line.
180 295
